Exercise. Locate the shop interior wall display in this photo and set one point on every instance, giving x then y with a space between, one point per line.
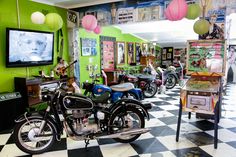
95 60
8 18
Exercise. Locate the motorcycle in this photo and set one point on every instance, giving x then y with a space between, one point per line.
110 94
148 84
82 118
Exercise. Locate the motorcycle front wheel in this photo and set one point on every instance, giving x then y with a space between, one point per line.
150 90
171 81
122 121
28 138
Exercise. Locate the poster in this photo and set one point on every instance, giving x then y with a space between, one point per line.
130 51
125 15
231 63
108 55
120 53
206 56
147 13
215 14
138 52
88 47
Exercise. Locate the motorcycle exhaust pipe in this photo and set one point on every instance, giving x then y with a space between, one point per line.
126 133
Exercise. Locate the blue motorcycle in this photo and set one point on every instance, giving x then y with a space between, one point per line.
105 94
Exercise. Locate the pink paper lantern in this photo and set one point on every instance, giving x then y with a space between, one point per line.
97 30
89 22
176 10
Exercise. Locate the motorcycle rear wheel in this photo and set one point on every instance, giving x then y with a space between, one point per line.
120 122
130 95
150 90
25 132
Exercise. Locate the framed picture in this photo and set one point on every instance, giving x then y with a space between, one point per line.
120 55
163 57
138 52
130 51
145 49
107 45
169 55
88 47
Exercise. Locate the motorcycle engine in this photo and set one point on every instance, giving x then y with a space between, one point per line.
83 122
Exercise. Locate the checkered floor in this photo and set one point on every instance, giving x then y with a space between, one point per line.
196 136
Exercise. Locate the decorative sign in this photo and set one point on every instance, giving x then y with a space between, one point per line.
206 56
108 50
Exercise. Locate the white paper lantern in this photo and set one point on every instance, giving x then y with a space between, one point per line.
37 17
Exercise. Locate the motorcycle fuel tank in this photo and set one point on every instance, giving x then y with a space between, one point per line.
77 102
101 89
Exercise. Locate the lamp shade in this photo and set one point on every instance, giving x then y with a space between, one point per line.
201 26
89 22
193 12
97 30
176 10
54 21
37 18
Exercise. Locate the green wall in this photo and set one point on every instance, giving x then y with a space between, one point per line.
8 18
106 31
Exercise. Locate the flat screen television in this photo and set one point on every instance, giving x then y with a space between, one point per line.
28 47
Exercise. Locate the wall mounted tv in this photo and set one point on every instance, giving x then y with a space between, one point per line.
28 47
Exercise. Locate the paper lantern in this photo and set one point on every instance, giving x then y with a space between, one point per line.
37 18
201 26
89 22
54 21
176 10
193 12
97 30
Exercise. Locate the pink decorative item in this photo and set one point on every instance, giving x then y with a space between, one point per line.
89 22
176 10
97 30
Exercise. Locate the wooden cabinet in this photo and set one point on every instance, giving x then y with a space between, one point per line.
30 89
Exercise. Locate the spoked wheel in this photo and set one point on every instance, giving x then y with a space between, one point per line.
28 138
171 81
150 90
121 122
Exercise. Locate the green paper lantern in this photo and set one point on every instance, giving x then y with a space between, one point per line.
194 11
201 26
53 21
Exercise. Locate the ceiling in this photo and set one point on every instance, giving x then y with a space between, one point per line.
164 32
69 4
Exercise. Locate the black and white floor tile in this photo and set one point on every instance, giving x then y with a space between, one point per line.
196 135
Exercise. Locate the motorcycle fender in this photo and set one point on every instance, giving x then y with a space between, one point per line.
119 104
40 115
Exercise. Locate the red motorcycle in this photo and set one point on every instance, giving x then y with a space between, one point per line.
148 83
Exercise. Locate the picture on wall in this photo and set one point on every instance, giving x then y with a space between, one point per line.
88 47
169 55
108 55
120 58
130 51
231 63
145 49
138 52
163 55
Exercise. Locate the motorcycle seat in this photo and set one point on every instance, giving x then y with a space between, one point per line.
122 87
145 77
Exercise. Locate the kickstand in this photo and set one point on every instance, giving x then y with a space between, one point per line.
86 143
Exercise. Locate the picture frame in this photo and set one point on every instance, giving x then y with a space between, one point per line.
88 47
144 49
138 52
120 53
169 56
130 52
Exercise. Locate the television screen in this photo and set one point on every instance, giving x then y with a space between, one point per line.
29 48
